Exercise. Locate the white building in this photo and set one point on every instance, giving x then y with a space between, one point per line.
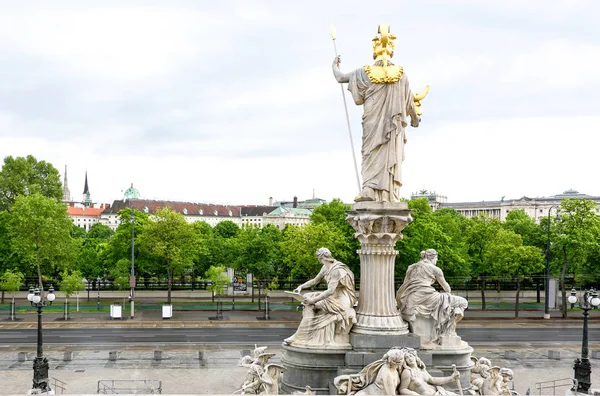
193 212
536 208
85 217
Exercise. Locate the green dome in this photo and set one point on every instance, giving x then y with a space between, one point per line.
132 193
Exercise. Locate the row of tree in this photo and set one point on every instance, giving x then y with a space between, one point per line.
38 238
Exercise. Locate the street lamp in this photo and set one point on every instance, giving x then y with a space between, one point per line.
98 287
582 366
547 276
40 364
132 277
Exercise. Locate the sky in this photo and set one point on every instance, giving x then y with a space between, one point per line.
233 102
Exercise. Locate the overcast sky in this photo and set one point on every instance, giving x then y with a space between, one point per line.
233 102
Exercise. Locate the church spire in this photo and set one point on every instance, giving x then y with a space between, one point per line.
66 191
87 200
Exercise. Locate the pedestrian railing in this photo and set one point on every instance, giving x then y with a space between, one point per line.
58 385
130 387
542 388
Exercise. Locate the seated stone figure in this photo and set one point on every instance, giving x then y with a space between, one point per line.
328 316
429 313
382 377
415 380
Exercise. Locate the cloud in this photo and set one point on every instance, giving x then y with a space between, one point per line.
555 65
234 102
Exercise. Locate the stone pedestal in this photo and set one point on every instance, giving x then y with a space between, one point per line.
313 367
439 362
378 227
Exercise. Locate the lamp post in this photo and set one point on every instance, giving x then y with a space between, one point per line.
582 366
40 364
132 277
98 280
547 276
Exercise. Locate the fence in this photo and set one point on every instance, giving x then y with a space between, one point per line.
130 387
58 385
542 388
459 284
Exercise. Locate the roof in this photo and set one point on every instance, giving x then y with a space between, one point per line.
86 189
90 212
256 210
294 211
185 208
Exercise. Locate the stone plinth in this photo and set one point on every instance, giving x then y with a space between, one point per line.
378 227
442 360
313 367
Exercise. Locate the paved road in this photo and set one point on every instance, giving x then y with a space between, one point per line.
261 335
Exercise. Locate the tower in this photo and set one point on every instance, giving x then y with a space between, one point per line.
87 200
66 191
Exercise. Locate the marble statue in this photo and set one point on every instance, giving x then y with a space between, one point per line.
382 377
507 375
415 380
491 380
247 360
258 375
328 316
480 371
384 91
429 313
492 385
307 391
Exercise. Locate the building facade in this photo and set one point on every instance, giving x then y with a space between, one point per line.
536 208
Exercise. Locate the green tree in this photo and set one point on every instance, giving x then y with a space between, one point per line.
118 249
11 281
170 239
259 250
100 231
41 234
481 232
507 255
300 244
70 283
93 250
217 276
25 176
520 223
576 239
77 232
203 234
443 230
333 215
226 229
7 258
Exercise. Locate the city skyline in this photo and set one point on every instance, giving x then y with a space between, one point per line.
231 103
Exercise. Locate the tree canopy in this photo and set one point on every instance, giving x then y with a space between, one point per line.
26 176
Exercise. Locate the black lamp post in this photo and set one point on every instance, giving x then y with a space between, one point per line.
547 276
582 366
98 280
132 275
40 364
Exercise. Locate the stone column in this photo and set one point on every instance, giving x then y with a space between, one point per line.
378 227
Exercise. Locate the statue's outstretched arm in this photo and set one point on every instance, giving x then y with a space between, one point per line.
339 76
312 282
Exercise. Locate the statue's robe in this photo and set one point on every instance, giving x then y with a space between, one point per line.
386 107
